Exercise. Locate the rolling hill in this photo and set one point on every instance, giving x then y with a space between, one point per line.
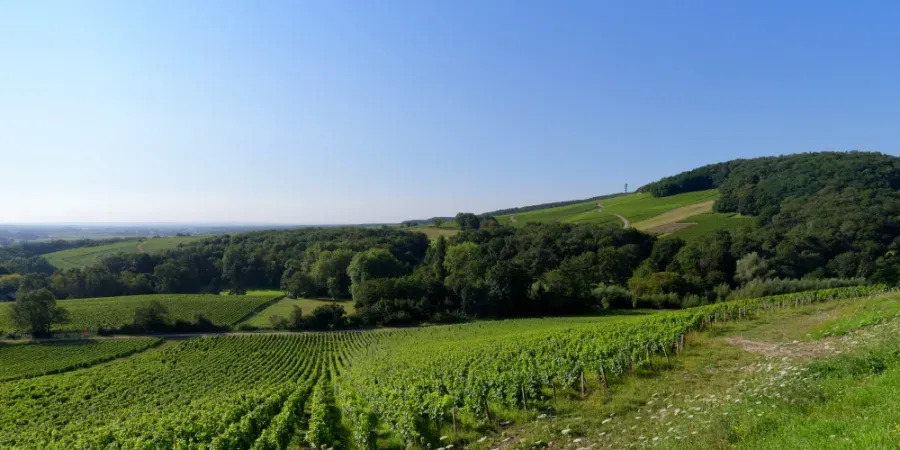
85 256
642 210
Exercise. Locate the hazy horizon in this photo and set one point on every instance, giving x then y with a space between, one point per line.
353 113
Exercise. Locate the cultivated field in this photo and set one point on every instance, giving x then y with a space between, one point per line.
705 224
112 312
634 207
462 385
85 256
35 359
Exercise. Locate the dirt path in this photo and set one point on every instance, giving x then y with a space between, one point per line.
140 248
821 347
625 222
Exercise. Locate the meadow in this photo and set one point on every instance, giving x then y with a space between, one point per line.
468 385
705 224
113 312
85 256
285 307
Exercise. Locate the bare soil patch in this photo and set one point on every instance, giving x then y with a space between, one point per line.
669 227
799 349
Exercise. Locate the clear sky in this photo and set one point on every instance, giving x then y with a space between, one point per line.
380 111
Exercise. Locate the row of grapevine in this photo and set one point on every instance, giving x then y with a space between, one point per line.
220 392
406 380
45 358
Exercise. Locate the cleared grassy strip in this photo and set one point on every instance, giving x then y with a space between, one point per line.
80 257
434 233
285 307
704 224
113 312
36 359
675 215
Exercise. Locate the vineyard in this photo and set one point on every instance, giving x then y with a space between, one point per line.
219 392
31 360
349 389
113 312
418 380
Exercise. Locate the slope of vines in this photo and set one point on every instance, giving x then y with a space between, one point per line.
416 378
233 392
32 360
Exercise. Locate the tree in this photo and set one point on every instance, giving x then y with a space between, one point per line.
151 316
468 221
330 272
752 267
170 276
437 222
32 282
36 311
297 284
329 316
236 266
373 263
435 256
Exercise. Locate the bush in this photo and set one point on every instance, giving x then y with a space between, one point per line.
612 296
325 317
279 322
776 286
152 316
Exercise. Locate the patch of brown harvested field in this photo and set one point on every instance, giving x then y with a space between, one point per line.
669 227
670 217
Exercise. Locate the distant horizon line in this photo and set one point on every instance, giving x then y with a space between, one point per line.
195 224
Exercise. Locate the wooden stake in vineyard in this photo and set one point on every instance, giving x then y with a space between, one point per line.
582 384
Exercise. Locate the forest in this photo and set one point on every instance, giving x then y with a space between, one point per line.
822 220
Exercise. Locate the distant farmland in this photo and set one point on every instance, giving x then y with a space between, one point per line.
85 256
114 312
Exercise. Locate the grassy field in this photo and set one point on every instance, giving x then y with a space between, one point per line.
36 359
635 207
113 312
433 232
285 307
674 216
80 257
704 224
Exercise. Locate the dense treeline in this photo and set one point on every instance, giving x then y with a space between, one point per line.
823 220
819 215
699 179
522 209
26 257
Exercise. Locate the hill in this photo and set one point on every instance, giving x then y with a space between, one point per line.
637 208
85 256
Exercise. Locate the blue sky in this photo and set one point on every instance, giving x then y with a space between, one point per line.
349 112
